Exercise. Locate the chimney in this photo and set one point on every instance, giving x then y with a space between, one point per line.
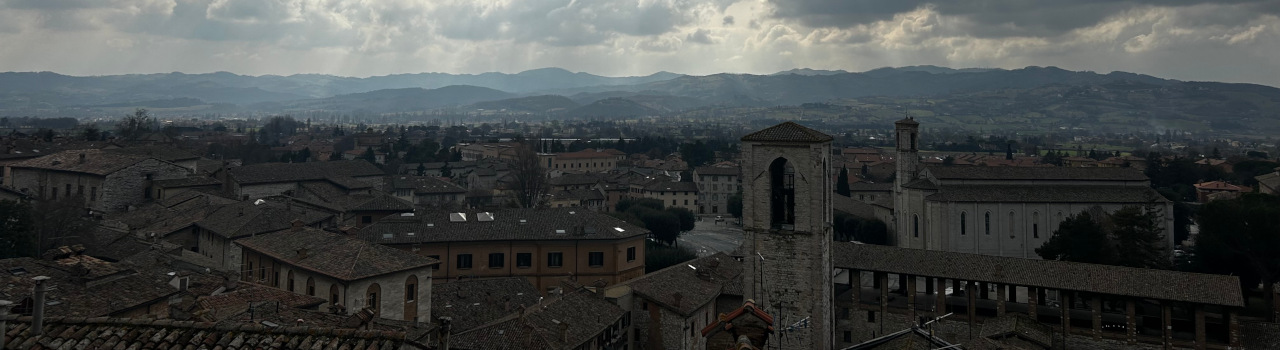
296 224
4 317
37 307
564 330
677 296
445 329
81 158
302 253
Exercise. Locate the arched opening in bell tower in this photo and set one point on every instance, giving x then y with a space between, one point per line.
782 196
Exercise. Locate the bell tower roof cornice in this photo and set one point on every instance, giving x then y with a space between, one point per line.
787 132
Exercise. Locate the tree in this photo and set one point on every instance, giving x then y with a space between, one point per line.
664 225
133 126
1079 238
735 205
19 239
369 155
1139 237
422 169
530 178
445 171
950 161
1238 237
91 133
687 219
872 231
842 183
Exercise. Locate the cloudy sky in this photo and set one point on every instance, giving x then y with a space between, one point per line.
1223 40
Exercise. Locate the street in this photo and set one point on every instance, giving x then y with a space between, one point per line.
709 237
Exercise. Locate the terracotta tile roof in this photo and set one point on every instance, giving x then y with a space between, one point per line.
853 207
920 184
475 302
425 184
907 121
1046 194
86 286
1219 186
747 309
247 218
1105 279
96 162
585 154
1259 335
693 288
332 254
223 306
165 153
583 314
787 132
1035 173
292 172
114 333
539 224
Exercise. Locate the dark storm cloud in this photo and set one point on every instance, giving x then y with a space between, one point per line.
995 18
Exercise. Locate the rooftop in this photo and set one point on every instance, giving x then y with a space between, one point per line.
334 255
1046 194
1104 279
115 333
96 162
506 225
580 312
475 302
291 172
1035 173
683 288
787 132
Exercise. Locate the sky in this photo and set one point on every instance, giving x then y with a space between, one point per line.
1222 40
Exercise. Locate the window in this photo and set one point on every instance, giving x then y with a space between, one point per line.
410 292
1011 224
631 254
871 316
464 261
311 286
524 259
68 192
333 293
93 193
595 259
986 218
366 219
53 193
963 228
1035 225
373 292
673 202
555 259
782 189
80 190
436 266
289 277
497 260
848 336
915 225
686 202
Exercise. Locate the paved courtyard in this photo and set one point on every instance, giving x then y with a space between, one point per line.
709 237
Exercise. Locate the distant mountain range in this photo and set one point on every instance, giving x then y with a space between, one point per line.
558 91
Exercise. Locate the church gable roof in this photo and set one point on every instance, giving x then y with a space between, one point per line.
1035 173
787 132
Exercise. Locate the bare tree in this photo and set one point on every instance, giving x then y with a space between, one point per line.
133 126
530 178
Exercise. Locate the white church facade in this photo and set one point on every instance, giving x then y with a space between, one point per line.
1002 211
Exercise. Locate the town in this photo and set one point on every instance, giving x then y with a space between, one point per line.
606 235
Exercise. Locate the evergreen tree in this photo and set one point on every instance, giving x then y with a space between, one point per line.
842 183
1079 238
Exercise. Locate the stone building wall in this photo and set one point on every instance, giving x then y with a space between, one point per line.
131 185
790 272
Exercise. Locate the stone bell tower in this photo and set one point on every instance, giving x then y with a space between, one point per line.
786 213
907 158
